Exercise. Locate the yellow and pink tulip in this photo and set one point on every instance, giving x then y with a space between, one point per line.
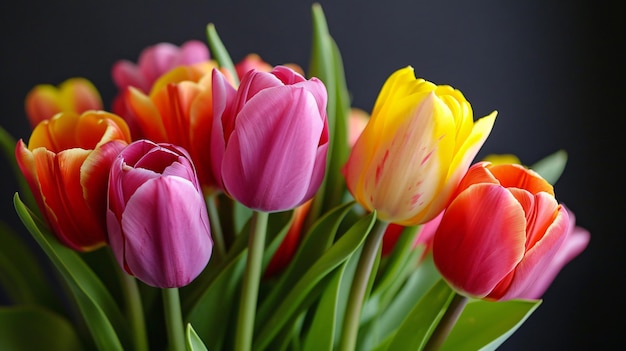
414 150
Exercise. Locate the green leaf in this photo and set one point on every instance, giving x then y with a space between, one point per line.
326 64
391 316
314 244
21 275
423 318
485 325
194 343
26 328
552 166
219 52
398 266
210 312
333 257
98 309
321 335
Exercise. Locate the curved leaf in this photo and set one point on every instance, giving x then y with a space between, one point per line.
485 325
333 257
218 50
193 340
321 334
552 166
101 314
314 244
423 318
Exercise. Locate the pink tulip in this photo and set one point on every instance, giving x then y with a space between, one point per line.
501 233
157 220
269 138
156 60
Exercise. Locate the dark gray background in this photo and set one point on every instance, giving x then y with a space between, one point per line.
553 71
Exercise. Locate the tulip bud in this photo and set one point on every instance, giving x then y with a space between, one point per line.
66 165
75 95
157 219
416 147
500 233
270 138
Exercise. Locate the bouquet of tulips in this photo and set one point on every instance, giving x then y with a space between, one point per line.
223 206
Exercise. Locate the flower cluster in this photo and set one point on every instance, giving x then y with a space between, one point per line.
272 215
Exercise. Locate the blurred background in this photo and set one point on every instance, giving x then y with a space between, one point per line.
553 72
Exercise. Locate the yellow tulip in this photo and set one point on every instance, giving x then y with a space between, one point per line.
418 144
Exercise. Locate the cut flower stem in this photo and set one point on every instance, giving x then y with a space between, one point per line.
134 309
447 322
173 319
216 227
251 280
362 275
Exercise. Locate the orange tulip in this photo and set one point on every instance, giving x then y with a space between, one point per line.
179 111
66 165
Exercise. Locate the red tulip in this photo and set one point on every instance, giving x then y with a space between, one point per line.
157 219
501 232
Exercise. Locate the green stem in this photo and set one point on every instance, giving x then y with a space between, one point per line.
173 319
134 309
447 322
359 286
251 280
216 227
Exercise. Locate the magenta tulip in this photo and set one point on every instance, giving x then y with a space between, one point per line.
157 220
270 138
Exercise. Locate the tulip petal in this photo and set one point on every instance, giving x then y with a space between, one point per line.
575 242
461 162
473 251
272 142
156 59
70 217
223 121
146 114
191 52
42 103
94 172
538 258
167 248
518 176
126 73
79 95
